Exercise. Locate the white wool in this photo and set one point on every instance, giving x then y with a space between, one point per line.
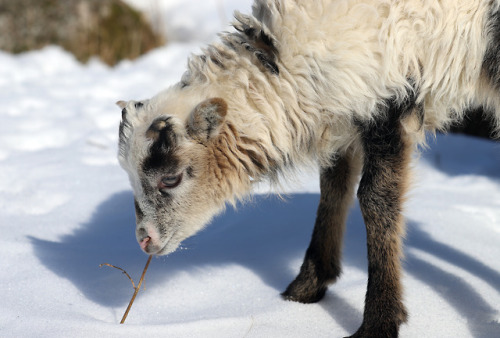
341 60
327 66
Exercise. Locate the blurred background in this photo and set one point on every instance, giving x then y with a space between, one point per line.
112 30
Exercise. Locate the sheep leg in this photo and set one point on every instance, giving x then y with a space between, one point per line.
381 194
322 262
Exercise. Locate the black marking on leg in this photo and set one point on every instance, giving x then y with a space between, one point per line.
322 262
381 193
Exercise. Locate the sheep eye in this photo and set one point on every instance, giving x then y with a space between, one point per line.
169 182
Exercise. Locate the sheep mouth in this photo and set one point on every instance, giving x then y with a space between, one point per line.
168 248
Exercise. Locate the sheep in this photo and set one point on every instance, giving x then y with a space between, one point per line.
352 86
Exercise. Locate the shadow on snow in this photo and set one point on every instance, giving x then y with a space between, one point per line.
264 235
267 234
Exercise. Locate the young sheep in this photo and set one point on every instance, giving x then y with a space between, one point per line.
351 85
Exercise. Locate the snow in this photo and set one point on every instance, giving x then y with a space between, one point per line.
66 207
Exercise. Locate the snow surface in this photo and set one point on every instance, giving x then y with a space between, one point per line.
66 207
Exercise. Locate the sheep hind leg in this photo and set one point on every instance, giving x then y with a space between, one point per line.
322 262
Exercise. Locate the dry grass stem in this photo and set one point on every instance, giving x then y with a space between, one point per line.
136 288
123 271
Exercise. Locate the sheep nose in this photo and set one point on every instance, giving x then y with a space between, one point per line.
144 242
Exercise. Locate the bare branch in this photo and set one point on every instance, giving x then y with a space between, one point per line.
123 271
136 290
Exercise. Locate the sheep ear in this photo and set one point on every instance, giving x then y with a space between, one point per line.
206 119
121 104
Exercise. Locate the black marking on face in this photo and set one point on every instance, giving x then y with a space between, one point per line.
162 151
138 105
162 131
491 60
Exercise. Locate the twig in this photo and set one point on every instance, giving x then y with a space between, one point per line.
136 289
123 271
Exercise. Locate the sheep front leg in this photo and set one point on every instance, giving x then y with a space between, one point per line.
381 194
322 264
